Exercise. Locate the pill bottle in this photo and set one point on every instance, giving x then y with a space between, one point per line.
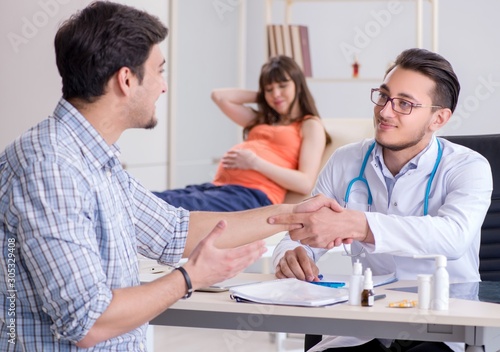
424 291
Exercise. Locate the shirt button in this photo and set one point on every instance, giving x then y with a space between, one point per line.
395 204
141 346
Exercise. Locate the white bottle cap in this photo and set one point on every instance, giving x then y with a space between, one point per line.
439 258
368 283
357 268
441 261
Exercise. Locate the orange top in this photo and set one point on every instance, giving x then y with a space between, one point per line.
279 145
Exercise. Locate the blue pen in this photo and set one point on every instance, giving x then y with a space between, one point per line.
329 284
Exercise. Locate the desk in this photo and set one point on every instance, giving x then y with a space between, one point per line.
473 322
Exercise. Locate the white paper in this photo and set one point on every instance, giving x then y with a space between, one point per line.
292 292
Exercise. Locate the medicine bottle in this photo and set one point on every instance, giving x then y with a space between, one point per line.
367 295
356 284
440 282
424 291
440 285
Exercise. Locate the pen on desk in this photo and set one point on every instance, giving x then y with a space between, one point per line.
328 284
381 296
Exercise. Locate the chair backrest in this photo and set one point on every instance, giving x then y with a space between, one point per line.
489 253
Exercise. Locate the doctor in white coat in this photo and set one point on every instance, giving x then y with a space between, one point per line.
405 193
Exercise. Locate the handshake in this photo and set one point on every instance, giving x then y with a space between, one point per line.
321 222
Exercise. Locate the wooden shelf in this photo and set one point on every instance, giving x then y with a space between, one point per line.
343 80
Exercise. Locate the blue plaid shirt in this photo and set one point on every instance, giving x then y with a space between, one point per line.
71 224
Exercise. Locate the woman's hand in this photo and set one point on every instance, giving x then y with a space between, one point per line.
242 159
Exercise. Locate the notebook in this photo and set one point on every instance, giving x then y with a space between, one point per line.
290 292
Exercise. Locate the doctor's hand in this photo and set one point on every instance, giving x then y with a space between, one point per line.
296 263
326 225
317 202
209 264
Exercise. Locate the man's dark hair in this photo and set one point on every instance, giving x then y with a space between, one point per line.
438 69
99 40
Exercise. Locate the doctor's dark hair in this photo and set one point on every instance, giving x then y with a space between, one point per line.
438 69
99 40
281 69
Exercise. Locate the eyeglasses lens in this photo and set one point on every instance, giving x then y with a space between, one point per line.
398 105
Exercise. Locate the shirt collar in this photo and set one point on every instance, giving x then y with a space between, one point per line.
412 163
93 146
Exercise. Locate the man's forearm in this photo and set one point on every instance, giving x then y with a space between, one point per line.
242 226
132 307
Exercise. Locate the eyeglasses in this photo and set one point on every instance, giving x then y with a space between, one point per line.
399 105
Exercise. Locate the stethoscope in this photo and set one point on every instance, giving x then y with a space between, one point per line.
363 180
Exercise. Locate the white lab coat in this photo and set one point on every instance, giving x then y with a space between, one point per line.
459 198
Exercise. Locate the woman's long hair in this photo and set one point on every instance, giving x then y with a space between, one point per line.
281 69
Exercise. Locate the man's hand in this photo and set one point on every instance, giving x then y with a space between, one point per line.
321 222
208 264
315 203
296 263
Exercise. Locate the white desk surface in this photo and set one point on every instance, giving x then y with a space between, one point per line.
465 321
471 313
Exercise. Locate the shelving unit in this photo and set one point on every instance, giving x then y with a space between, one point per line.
419 16
337 93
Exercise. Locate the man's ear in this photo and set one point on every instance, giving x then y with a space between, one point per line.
125 78
441 118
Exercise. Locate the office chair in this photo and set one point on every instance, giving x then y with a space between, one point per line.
489 252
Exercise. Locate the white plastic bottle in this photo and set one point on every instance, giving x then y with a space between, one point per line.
424 291
441 285
440 299
356 284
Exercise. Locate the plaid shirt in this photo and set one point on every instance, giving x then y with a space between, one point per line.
71 224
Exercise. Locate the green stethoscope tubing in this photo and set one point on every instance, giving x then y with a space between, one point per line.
365 181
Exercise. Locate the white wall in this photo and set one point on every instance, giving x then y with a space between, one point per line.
207 58
30 85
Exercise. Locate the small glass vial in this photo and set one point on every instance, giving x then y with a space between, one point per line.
355 68
367 295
